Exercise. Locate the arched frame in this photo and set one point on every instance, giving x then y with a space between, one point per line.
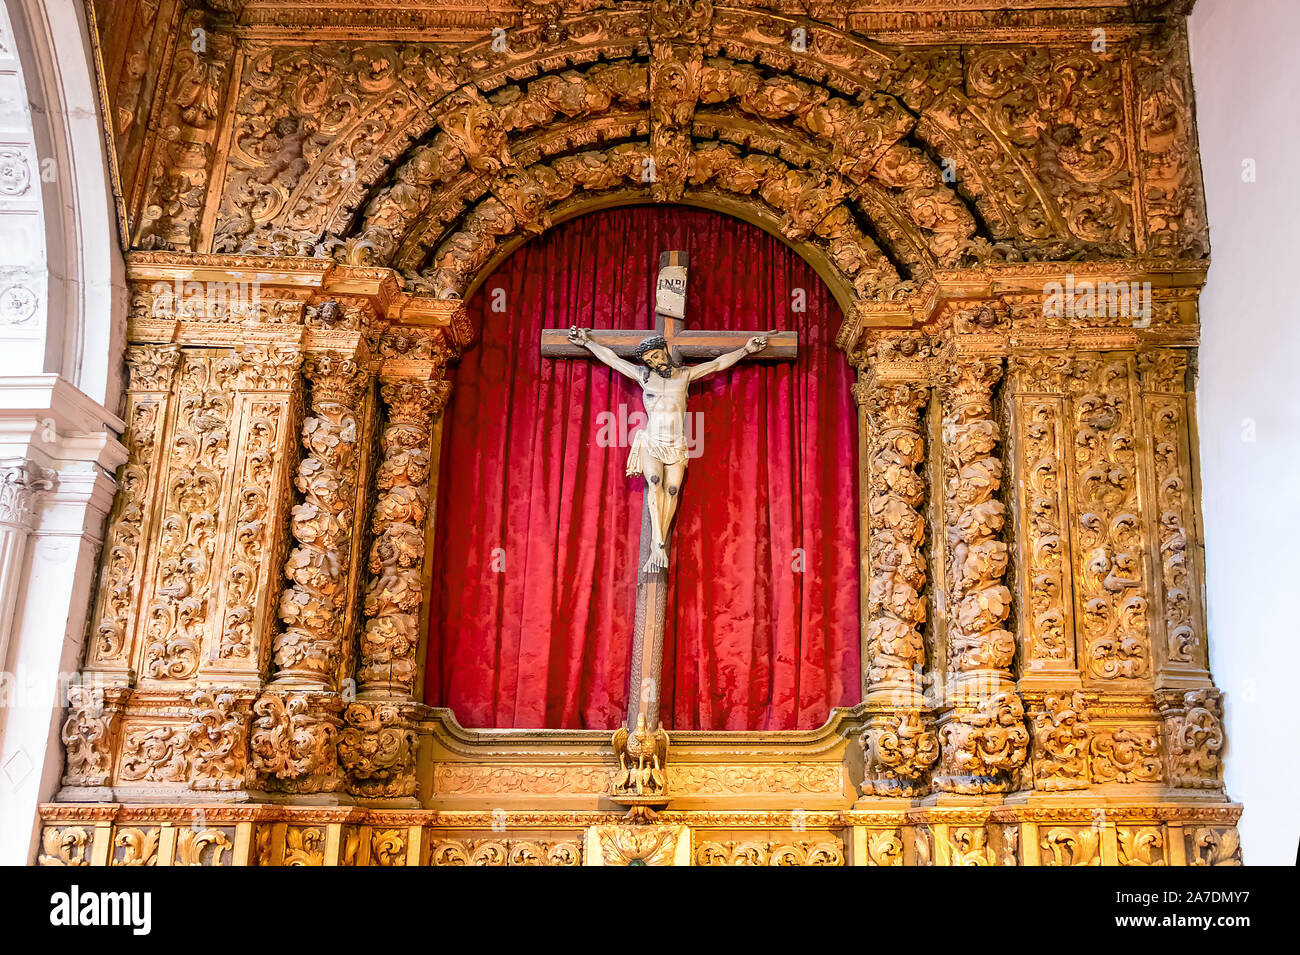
941 184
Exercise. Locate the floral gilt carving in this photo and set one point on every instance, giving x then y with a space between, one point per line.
896 610
89 734
392 602
1194 738
978 638
377 750
899 750
1062 739
192 513
292 743
308 652
1112 594
982 751
1126 754
149 376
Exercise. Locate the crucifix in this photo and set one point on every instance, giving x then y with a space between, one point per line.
659 451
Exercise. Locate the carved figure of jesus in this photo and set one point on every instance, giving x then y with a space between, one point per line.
659 450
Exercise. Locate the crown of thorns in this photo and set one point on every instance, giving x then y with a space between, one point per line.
649 345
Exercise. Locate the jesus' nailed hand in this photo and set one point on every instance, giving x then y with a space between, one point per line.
659 451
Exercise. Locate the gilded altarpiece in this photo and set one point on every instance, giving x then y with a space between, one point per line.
1006 206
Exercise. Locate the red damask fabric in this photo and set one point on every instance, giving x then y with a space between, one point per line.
537 526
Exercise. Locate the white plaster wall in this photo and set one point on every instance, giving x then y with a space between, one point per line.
1247 75
82 291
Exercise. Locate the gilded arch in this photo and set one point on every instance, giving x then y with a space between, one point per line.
941 157
941 175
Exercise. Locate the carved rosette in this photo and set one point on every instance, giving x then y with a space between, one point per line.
377 749
150 369
896 531
308 653
1194 738
984 749
979 645
388 666
292 743
1062 740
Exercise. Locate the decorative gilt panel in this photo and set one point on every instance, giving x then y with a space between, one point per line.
1111 587
193 509
1141 845
65 846
1126 754
1178 626
136 846
505 851
1212 846
268 405
724 849
115 617
1038 429
1070 845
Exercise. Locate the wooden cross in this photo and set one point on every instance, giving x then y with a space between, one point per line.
652 586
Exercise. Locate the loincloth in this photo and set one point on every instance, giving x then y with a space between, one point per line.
665 452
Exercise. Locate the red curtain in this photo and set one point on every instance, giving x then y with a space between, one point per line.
538 527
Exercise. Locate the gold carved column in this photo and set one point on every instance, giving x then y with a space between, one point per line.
982 733
899 743
294 735
377 746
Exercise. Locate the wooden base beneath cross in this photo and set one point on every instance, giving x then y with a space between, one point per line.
664 383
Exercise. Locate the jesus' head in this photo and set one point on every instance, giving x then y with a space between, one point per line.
653 353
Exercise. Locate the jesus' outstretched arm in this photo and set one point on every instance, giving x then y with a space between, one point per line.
723 362
580 336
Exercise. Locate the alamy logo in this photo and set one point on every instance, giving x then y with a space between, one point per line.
74 908
1085 299
211 301
617 429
